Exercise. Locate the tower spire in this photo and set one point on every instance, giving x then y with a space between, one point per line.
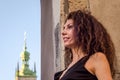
25 72
25 41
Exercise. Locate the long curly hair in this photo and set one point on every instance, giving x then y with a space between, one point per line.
91 37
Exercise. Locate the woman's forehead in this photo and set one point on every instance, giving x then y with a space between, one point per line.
68 22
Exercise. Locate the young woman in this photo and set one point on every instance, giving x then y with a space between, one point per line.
89 51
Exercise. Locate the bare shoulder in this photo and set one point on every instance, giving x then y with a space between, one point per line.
101 66
99 56
95 61
100 59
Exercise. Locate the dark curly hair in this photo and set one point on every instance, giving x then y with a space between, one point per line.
91 37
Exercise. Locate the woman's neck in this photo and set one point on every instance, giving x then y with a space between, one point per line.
77 54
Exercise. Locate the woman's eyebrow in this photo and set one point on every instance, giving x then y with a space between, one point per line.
69 24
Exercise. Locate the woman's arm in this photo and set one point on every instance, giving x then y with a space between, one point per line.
102 68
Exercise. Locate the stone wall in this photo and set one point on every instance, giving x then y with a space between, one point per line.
47 46
106 11
53 14
50 34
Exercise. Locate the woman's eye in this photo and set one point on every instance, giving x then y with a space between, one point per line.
69 27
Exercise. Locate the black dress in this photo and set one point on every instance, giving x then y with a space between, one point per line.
77 72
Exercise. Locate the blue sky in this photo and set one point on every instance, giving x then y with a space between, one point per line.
16 17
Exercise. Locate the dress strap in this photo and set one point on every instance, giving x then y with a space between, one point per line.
85 60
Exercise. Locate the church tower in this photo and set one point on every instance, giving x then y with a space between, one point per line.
24 73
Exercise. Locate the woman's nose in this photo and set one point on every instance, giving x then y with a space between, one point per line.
64 32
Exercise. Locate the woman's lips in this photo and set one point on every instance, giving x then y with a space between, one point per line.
65 39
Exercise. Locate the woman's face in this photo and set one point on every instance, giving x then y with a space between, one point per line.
68 34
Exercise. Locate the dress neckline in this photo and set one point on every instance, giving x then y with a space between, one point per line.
71 68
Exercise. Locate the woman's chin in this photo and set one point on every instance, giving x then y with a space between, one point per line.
67 45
